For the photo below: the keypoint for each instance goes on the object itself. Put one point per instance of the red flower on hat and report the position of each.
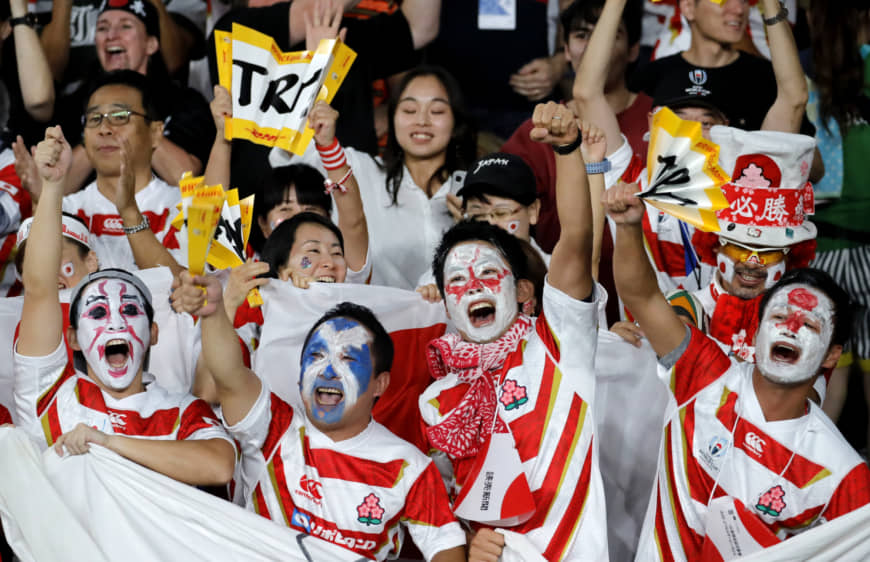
(756, 170)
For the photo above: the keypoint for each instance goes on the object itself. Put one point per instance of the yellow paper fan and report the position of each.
(683, 174)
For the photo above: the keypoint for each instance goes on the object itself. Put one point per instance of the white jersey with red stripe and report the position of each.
(51, 398)
(546, 386)
(785, 476)
(16, 206)
(156, 202)
(354, 493)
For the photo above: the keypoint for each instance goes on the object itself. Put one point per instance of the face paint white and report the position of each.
(336, 368)
(512, 226)
(480, 291)
(113, 331)
(774, 274)
(726, 267)
(794, 334)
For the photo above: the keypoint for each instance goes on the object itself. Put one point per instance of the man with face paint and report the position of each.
(741, 438)
(105, 397)
(505, 373)
(763, 233)
(325, 467)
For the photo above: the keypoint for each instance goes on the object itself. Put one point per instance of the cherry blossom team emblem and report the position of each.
(771, 503)
(513, 395)
(370, 510)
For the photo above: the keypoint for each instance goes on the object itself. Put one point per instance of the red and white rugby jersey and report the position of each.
(789, 474)
(156, 202)
(17, 206)
(353, 493)
(546, 387)
(51, 398)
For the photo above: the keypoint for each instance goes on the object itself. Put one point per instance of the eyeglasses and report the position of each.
(497, 214)
(760, 256)
(115, 118)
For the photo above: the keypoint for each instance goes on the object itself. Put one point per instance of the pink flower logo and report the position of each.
(370, 510)
(771, 501)
(513, 395)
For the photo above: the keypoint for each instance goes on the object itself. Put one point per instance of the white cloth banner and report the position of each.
(173, 357)
(630, 404)
(102, 507)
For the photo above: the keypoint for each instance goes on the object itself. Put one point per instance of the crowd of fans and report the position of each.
(487, 155)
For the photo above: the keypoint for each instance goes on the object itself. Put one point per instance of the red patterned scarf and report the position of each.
(735, 322)
(467, 427)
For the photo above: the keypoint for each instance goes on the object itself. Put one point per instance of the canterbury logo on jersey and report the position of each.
(754, 443)
(118, 420)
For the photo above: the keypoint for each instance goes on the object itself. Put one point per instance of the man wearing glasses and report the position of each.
(121, 131)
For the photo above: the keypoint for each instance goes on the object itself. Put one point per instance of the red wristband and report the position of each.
(331, 156)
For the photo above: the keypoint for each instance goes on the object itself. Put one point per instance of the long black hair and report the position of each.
(839, 69)
(462, 148)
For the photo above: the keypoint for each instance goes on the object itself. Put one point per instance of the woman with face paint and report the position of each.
(406, 196)
(326, 460)
(497, 375)
(111, 330)
(752, 427)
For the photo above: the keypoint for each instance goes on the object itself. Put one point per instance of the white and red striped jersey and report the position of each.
(353, 493)
(51, 398)
(550, 375)
(16, 206)
(156, 202)
(787, 475)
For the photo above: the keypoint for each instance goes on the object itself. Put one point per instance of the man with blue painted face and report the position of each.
(325, 467)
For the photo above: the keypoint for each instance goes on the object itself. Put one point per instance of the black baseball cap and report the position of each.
(502, 175)
(676, 92)
(142, 9)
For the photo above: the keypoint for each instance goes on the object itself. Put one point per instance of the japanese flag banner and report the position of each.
(683, 174)
(273, 91)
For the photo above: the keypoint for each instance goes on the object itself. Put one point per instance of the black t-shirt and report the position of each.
(384, 46)
(743, 90)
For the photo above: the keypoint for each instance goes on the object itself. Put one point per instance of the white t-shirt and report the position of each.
(353, 493)
(51, 398)
(156, 202)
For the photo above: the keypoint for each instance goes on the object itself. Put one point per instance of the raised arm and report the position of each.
(591, 76)
(37, 88)
(55, 38)
(176, 41)
(787, 111)
(570, 264)
(300, 8)
(41, 328)
(147, 249)
(424, 18)
(635, 280)
(217, 171)
(237, 386)
(351, 218)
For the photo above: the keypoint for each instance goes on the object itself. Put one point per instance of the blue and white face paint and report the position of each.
(336, 368)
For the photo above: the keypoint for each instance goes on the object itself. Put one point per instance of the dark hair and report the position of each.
(461, 151)
(582, 12)
(82, 250)
(507, 244)
(837, 62)
(276, 250)
(131, 79)
(820, 280)
(307, 182)
(382, 346)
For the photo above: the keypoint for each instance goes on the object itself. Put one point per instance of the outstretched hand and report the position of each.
(53, 156)
(554, 123)
(622, 204)
(25, 168)
(243, 279)
(322, 22)
(124, 196)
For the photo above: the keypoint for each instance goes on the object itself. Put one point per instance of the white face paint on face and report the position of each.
(794, 334)
(113, 331)
(480, 291)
